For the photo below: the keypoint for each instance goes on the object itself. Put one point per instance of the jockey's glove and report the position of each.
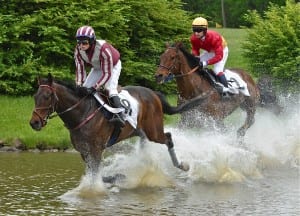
(202, 64)
(91, 90)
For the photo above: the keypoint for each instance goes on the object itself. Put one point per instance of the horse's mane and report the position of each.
(191, 59)
(72, 88)
(68, 84)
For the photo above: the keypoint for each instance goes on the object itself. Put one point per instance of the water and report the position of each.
(260, 177)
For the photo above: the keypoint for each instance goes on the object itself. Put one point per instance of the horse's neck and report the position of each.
(192, 84)
(71, 109)
(65, 98)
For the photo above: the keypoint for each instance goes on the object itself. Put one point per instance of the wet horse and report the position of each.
(89, 126)
(192, 81)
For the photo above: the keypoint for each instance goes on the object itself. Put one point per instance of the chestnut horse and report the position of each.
(88, 122)
(192, 81)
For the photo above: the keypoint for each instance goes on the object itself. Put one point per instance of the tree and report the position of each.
(273, 46)
(39, 37)
(227, 12)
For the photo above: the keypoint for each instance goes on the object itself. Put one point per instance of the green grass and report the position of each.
(17, 111)
(234, 38)
(14, 124)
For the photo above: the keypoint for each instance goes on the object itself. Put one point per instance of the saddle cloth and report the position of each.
(128, 115)
(236, 83)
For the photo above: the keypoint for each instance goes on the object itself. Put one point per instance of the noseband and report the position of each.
(50, 109)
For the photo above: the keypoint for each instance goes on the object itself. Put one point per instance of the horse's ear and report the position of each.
(179, 44)
(38, 79)
(50, 78)
(167, 44)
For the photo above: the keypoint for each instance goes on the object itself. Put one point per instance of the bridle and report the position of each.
(171, 74)
(52, 108)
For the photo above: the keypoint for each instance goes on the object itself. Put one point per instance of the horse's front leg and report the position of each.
(92, 162)
(169, 142)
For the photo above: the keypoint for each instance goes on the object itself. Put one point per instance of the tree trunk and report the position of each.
(223, 14)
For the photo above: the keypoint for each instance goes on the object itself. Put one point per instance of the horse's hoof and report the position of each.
(184, 166)
(241, 133)
(113, 179)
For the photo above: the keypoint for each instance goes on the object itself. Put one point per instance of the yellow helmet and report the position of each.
(200, 22)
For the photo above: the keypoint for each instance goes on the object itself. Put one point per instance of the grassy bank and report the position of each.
(14, 124)
(234, 38)
(16, 112)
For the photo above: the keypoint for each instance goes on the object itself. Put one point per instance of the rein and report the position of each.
(171, 75)
(52, 108)
(188, 73)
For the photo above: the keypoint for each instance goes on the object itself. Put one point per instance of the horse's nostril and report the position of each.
(158, 76)
(35, 125)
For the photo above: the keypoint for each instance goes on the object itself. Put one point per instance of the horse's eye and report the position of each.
(47, 96)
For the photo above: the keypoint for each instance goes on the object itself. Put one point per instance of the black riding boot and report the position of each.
(223, 80)
(117, 118)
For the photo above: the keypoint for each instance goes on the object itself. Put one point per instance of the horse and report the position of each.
(88, 122)
(192, 81)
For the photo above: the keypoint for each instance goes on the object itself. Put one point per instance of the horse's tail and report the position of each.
(268, 97)
(171, 110)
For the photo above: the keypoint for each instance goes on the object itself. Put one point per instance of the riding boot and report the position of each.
(223, 80)
(117, 118)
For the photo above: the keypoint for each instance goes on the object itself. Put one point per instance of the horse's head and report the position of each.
(45, 103)
(169, 64)
(172, 61)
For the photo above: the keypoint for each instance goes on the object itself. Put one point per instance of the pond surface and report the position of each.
(260, 177)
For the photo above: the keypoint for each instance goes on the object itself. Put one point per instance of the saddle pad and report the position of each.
(130, 116)
(236, 82)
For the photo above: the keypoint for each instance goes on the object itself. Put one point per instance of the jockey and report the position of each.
(214, 46)
(105, 64)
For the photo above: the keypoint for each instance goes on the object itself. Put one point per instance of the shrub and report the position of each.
(272, 45)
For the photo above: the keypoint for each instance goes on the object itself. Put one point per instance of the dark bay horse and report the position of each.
(88, 125)
(191, 81)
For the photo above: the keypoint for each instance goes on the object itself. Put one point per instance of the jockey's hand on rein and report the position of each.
(202, 64)
(91, 90)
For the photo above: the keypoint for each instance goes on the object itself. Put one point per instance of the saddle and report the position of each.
(129, 111)
(235, 82)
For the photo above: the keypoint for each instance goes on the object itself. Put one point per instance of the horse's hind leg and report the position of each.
(248, 123)
(143, 137)
(172, 154)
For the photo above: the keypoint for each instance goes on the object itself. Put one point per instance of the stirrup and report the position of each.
(226, 95)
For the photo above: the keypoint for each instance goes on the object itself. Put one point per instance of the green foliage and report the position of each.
(273, 46)
(232, 15)
(39, 37)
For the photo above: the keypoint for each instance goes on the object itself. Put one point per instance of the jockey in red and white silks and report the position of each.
(214, 46)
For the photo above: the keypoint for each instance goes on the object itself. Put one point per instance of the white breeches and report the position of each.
(219, 66)
(111, 85)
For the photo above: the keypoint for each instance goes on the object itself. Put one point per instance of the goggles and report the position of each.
(198, 29)
(83, 42)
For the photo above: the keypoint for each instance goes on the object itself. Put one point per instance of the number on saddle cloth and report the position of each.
(126, 104)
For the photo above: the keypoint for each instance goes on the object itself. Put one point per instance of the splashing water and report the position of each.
(90, 186)
(213, 157)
